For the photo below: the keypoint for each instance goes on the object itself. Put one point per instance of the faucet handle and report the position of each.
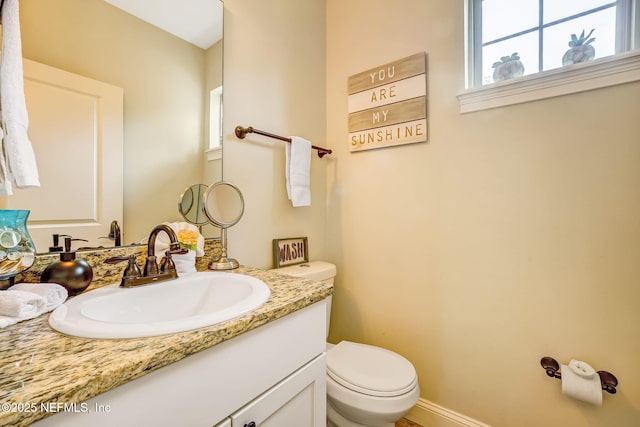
(167, 264)
(132, 271)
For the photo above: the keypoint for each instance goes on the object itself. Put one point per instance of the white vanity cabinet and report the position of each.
(274, 375)
(297, 401)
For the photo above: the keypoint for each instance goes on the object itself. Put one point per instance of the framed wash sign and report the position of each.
(290, 251)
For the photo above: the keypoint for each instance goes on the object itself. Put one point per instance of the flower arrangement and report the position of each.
(188, 239)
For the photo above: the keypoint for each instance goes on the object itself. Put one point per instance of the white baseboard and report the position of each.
(428, 414)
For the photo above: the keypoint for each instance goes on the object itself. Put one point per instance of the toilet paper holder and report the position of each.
(608, 380)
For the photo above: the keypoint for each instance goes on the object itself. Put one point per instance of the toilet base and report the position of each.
(335, 419)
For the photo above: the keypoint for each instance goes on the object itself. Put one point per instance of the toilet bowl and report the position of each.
(366, 385)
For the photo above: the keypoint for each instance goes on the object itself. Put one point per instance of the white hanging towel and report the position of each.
(297, 171)
(18, 160)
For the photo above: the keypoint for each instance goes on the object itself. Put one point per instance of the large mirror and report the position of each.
(169, 85)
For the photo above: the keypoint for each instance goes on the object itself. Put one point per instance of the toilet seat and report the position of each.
(370, 370)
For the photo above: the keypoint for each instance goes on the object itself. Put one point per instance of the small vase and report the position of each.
(17, 251)
(578, 54)
(508, 70)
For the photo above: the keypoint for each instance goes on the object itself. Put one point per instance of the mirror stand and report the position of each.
(224, 263)
(223, 205)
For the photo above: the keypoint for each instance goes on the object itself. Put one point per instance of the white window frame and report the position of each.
(214, 151)
(616, 69)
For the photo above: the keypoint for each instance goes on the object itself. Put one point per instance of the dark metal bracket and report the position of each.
(552, 368)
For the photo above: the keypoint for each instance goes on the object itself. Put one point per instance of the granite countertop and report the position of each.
(42, 366)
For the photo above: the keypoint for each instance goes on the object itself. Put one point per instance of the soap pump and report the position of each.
(56, 243)
(74, 274)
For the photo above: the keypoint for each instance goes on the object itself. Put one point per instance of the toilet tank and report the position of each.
(315, 270)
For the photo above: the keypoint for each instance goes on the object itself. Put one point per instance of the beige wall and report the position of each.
(213, 80)
(163, 81)
(513, 234)
(274, 80)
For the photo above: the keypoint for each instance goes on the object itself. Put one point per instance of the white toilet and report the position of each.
(366, 385)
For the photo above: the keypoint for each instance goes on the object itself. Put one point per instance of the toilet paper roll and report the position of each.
(582, 368)
(580, 381)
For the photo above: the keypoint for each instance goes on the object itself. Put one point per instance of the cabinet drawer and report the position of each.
(298, 400)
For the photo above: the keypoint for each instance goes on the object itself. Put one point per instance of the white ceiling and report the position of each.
(196, 21)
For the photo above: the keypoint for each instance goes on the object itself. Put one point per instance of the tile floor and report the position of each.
(406, 423)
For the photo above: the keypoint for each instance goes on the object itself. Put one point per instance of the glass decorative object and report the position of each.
(507, 68)
(17, 251)
(581, 49)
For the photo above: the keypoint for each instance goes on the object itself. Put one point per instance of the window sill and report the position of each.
(214, 154)
(609, 71)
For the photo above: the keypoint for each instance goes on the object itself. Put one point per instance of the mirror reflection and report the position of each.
(167, 85)
(191, 205)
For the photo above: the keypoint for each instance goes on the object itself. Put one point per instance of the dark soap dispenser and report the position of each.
(74, 274)
(56, 244)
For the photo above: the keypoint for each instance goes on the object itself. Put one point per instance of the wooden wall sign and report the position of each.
(388, 104)
(290, 251)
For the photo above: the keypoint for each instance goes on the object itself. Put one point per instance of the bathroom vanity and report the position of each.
(266, 367)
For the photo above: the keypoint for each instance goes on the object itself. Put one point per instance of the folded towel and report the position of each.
(8, 320)
(185, 263)
(20, 167)
(21, 304)
(53, 293)
(297, 171)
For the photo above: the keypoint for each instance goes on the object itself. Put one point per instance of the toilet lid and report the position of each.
(370, 370)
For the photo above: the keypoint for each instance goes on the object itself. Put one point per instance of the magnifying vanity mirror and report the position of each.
(190, 205)
(223, 205)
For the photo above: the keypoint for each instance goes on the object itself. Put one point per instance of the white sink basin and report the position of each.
(189, 302)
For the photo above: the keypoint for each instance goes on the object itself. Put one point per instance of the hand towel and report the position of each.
(297, 171)
(185, 263)
(6, 189)
(21, 168)
(21, 304)
(54, 294)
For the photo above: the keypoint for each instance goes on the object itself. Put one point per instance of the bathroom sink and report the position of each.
(189, 302)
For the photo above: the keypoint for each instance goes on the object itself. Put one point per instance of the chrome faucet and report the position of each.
(152, 271)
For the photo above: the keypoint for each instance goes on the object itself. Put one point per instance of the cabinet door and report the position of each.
(224, 423)
(297, 401)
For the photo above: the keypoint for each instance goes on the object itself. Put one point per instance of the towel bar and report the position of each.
(241, 132)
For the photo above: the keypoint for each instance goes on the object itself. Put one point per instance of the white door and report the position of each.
(76, 128)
